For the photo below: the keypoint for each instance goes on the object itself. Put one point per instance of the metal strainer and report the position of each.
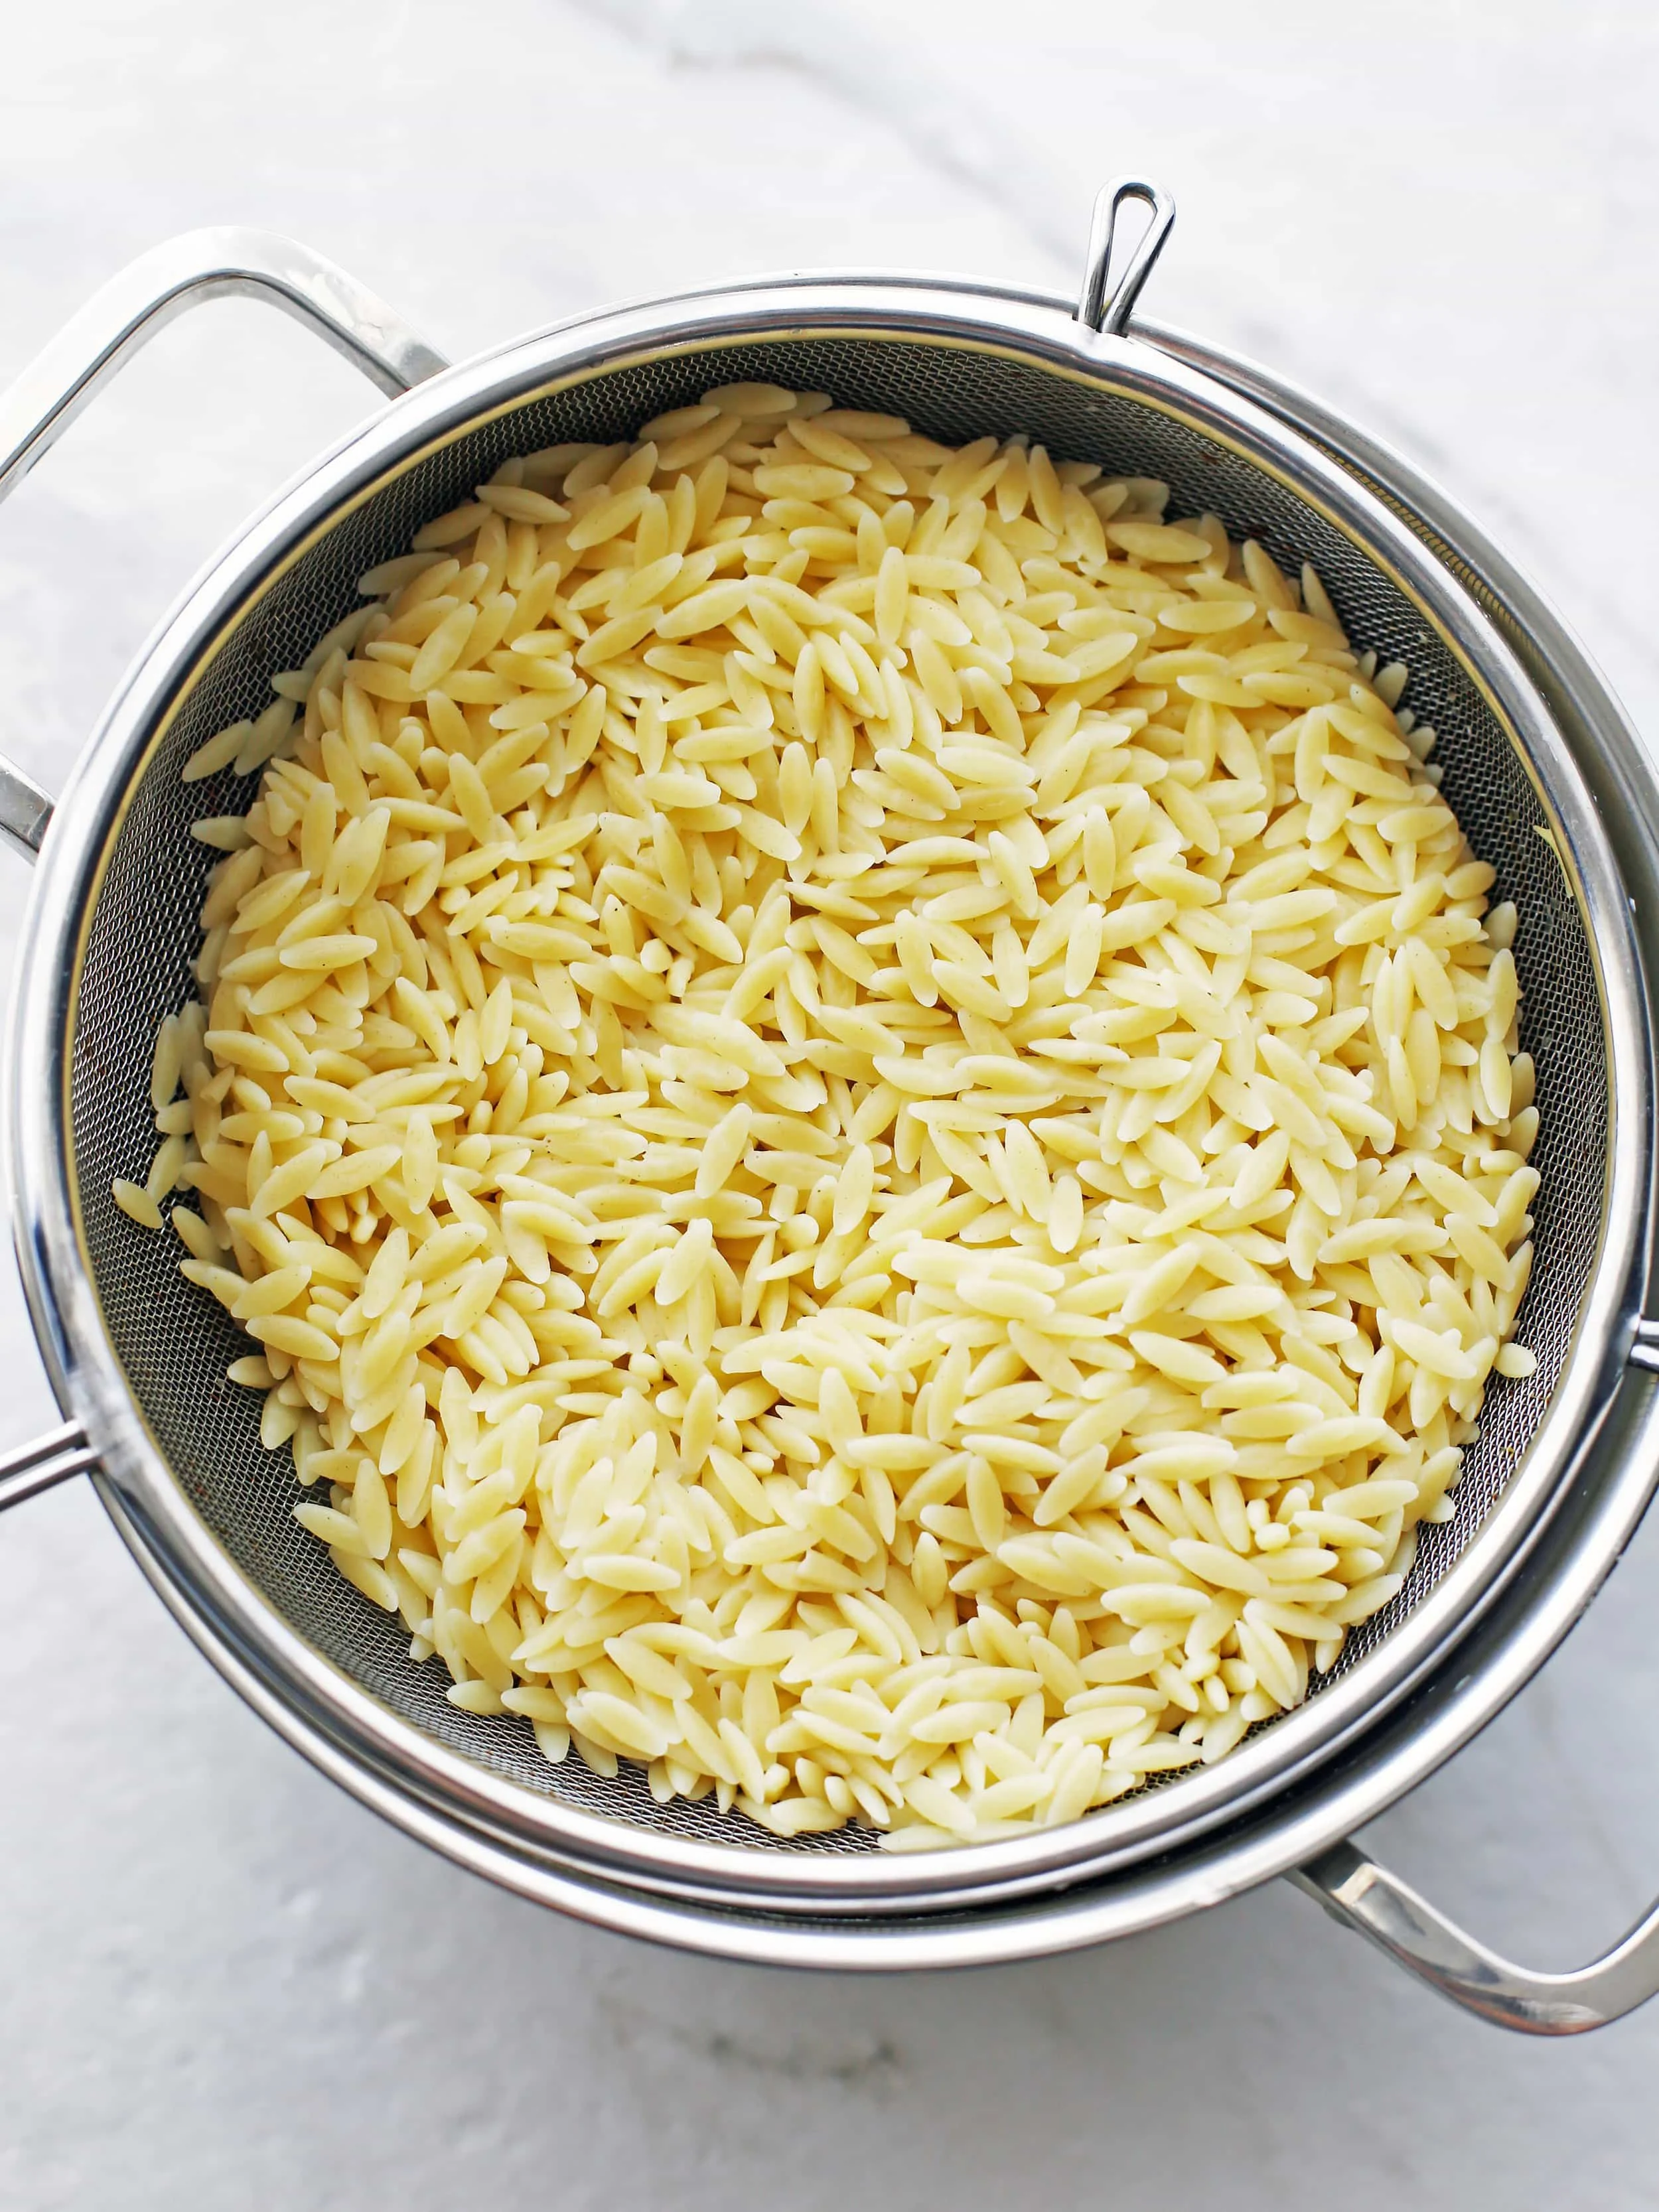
(1537, 765)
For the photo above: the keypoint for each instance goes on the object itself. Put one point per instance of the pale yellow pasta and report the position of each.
(866, 1110)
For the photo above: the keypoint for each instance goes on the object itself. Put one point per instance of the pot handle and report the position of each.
(126, 312)
(1365, 1897)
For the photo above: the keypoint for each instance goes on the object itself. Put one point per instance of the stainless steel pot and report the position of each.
(1531, 742)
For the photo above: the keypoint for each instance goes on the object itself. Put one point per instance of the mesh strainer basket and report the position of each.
(1537, 765)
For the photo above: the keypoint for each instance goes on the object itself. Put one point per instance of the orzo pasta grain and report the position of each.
(866, 1110)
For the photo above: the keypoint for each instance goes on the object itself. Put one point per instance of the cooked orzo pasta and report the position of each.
(865, 1107)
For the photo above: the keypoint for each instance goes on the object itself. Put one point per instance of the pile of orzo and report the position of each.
(864, 1104)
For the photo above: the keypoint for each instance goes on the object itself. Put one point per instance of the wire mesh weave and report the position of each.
(174, 1341)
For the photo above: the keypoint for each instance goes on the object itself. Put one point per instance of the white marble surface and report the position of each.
(221, 1985)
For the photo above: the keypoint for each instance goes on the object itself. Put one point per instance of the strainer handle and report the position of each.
(147, 295)
(1108, 311)
(151, 292)
(1367, 1898)
(53, 1458)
